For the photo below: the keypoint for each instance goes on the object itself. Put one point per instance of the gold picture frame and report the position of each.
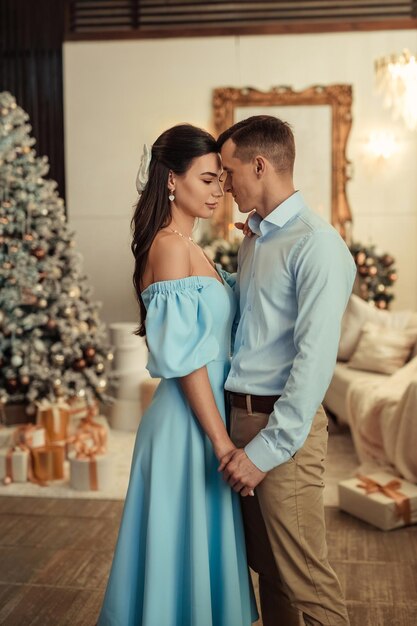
(339, 97)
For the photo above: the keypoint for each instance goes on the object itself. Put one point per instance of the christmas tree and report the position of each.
(376, 274)
(52, 343)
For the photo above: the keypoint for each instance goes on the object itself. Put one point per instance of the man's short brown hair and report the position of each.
(262, 135)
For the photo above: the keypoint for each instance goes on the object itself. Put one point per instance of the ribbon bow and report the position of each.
(25, 433)
(391, 490)
(85, 451)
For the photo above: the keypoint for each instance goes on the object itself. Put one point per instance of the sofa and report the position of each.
(374, 386)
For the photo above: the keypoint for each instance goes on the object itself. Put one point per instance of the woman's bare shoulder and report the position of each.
(169, 256)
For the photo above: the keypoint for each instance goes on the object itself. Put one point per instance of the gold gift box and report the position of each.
(55, 419)
(48, 462)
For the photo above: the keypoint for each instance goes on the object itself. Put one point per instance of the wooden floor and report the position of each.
(55, 556)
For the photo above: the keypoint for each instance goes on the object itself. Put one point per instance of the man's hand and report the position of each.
(239, 471)
(245, 226)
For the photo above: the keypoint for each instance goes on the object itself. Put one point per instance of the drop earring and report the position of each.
(171, 197)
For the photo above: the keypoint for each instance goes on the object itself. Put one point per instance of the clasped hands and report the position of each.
(239, 471)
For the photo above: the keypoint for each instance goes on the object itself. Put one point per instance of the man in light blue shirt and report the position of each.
(294, 280)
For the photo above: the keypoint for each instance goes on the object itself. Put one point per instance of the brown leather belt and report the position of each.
(253, 404)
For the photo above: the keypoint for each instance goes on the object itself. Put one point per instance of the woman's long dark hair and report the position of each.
(174, 150)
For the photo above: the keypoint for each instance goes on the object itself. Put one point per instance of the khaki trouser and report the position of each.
(286, 534)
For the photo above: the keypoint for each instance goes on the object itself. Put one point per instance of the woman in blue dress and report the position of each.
(180, 557)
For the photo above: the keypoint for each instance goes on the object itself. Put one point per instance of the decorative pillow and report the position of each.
(382, 351)
(358, 313)
(412, 325)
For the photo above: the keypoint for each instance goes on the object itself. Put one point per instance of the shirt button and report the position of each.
(249, 308)
(253, 274)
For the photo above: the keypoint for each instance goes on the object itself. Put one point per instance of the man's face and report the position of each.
(241, 180)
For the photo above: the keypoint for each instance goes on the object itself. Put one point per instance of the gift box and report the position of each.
(14, 465)
(80, 408)
(48, 462)
(30, 435)
(90, 471)
(95, 429)
(381, 499)
(54, 417)
(6, 436)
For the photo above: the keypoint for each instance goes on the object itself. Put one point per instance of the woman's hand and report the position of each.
(244, 227)
(224, 449)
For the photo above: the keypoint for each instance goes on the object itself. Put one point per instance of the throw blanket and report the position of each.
(383, 420)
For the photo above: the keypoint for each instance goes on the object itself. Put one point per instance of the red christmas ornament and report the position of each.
(79, 364)
(39, 253)
(90, 352)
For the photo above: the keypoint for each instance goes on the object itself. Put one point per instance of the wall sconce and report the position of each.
(382, 145)
(396, 79)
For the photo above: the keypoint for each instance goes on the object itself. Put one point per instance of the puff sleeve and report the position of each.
(179, 328)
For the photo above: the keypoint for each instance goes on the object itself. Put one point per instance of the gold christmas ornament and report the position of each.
(102, 385)
(58, 359)
(83, 327)
(74, 292)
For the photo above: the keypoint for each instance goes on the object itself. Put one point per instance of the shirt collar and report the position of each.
(279, 216)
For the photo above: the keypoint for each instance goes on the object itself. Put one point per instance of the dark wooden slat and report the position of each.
(284, 28)
(112, 19)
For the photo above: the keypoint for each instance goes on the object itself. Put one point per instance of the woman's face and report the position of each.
(198, 191)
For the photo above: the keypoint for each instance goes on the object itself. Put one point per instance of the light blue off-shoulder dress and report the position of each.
(180, 557)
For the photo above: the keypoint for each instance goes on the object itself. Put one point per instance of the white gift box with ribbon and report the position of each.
(90, 474)
(18, 462)
(381, 499)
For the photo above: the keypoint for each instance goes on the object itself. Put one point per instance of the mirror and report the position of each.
(321, 120)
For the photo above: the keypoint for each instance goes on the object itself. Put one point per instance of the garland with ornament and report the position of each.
(52, 343)
(376, 271)
(376, 274)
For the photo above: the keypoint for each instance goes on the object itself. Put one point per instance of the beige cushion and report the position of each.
(343, 377)
(383, 352)
(358, 313)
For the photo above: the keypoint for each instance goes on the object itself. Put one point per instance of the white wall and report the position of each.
(119, 95)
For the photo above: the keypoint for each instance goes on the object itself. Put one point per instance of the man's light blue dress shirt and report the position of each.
(294, 279)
